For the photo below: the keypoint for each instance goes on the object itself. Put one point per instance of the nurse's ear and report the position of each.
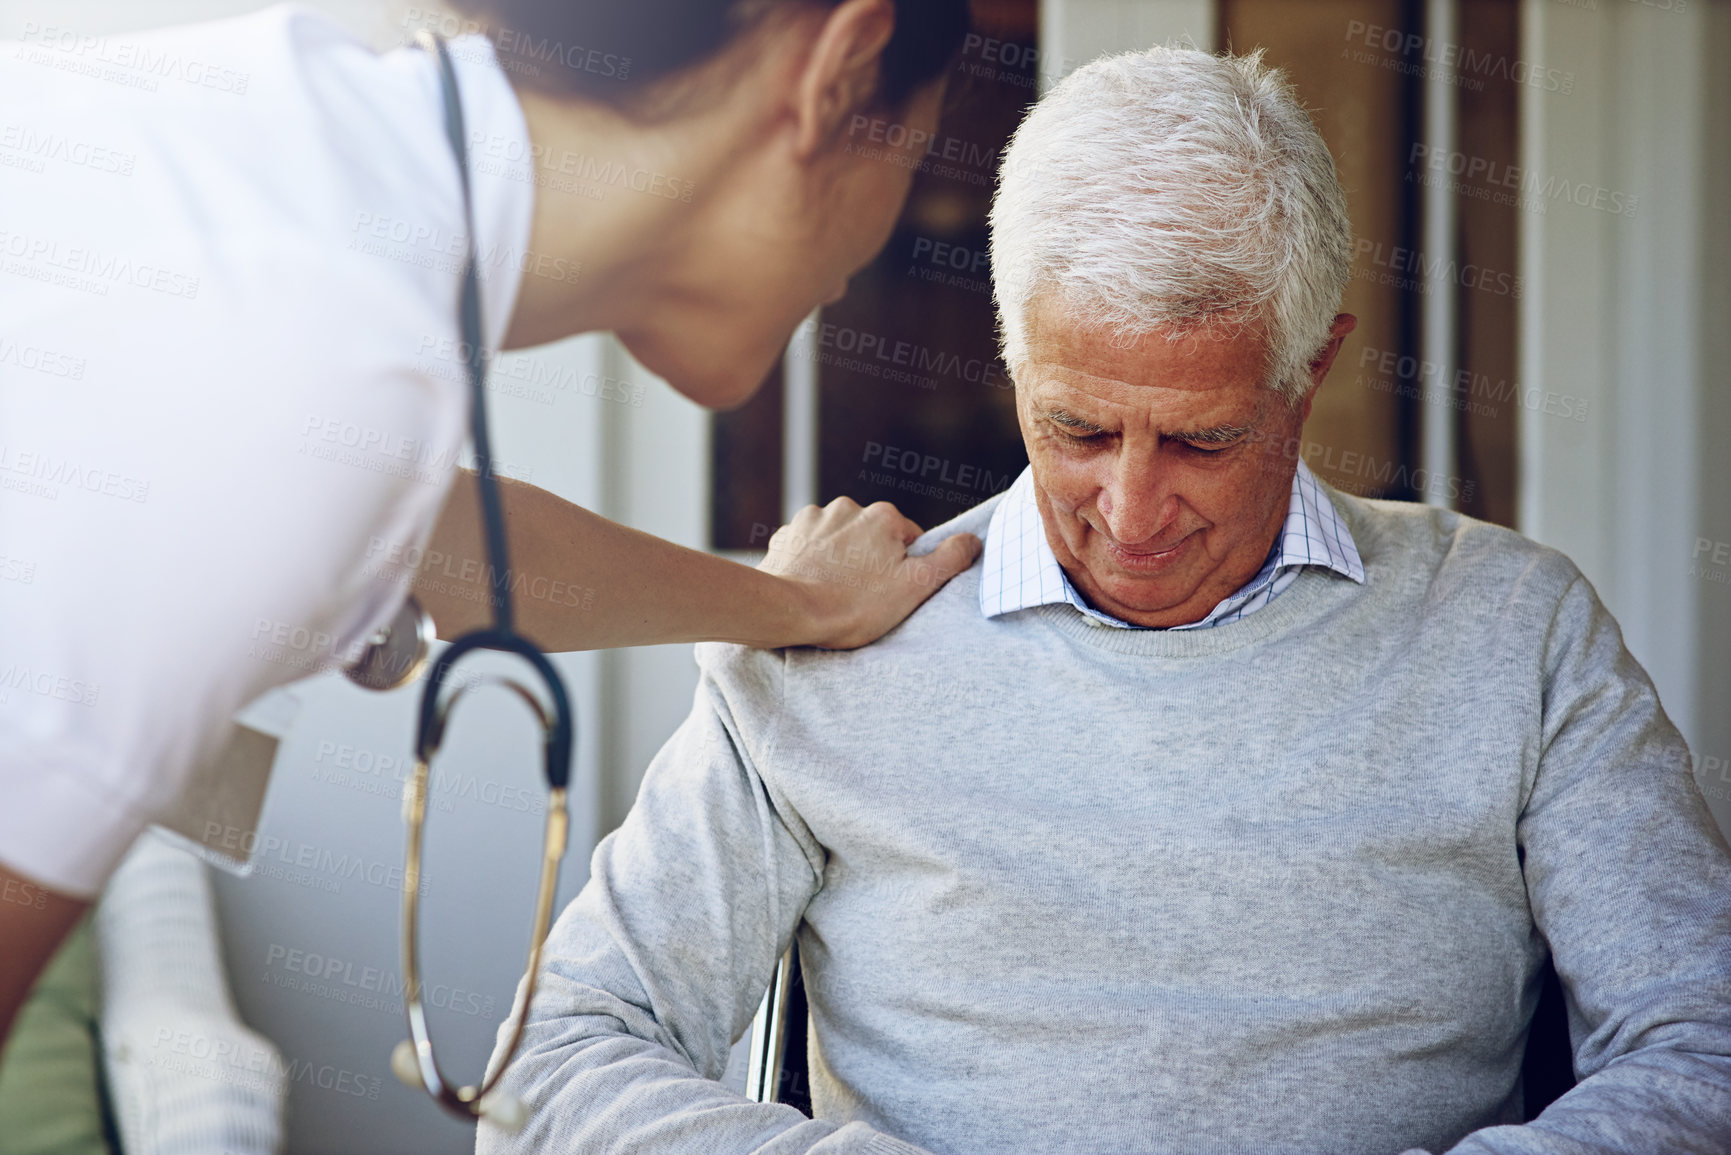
(841, 72)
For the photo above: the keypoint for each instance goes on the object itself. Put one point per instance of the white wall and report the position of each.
(1621, 311)
(1711, 729)
(1073, 32)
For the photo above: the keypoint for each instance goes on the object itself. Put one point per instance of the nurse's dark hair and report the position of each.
(615, 50)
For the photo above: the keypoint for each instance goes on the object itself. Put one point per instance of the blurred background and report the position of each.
(1539, 191)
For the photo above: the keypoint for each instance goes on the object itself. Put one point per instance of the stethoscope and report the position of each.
(398, 654)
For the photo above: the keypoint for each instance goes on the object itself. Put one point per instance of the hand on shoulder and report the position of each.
(854, 566)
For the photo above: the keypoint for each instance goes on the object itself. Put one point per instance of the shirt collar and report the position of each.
(1019, 569)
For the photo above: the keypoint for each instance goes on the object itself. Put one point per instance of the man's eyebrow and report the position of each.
(1214, 435)
(1069, 420)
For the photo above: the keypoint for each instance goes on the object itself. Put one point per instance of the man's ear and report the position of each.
(1344, 323)
(842, 70)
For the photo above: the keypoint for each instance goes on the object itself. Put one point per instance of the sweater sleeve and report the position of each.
(1629, 879)
(660, 962)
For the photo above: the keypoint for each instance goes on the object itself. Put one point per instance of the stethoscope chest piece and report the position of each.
(397, 653)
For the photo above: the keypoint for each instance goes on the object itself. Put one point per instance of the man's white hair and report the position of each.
(1173, 190)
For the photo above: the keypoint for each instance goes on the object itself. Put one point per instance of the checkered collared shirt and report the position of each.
(1020, 569)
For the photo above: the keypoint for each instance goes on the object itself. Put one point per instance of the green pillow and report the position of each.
(51, 1070)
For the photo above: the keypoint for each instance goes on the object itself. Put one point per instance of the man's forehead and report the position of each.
(1053, 383)
(1064, 355)
(1170, 401)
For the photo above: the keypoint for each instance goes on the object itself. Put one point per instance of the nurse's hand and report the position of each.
(853, 567)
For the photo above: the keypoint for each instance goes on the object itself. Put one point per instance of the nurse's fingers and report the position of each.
(841, 513)
(854, 566)
(953, 555)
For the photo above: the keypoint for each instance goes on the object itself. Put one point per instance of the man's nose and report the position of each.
(1137, 500)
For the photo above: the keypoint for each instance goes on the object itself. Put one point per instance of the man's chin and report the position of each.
(1133, 597)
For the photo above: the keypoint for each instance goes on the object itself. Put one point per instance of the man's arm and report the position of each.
(838, 576)
(658, 965)
(1630, 882)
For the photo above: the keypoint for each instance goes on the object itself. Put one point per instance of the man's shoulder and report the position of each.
(1429, 546)
(974, 520)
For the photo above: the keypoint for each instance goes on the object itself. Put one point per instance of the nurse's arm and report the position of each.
(838, 577)
(33, 922)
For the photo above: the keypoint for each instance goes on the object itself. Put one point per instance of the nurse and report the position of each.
(232, 402)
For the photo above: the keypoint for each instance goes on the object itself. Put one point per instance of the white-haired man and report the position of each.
(1214, 811)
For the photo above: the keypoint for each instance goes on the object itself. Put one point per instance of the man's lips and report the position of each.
(1147, 559)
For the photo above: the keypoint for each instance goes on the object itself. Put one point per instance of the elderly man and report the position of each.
(1214, 810)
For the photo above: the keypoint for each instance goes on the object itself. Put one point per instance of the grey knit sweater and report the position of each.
(1278, 886)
